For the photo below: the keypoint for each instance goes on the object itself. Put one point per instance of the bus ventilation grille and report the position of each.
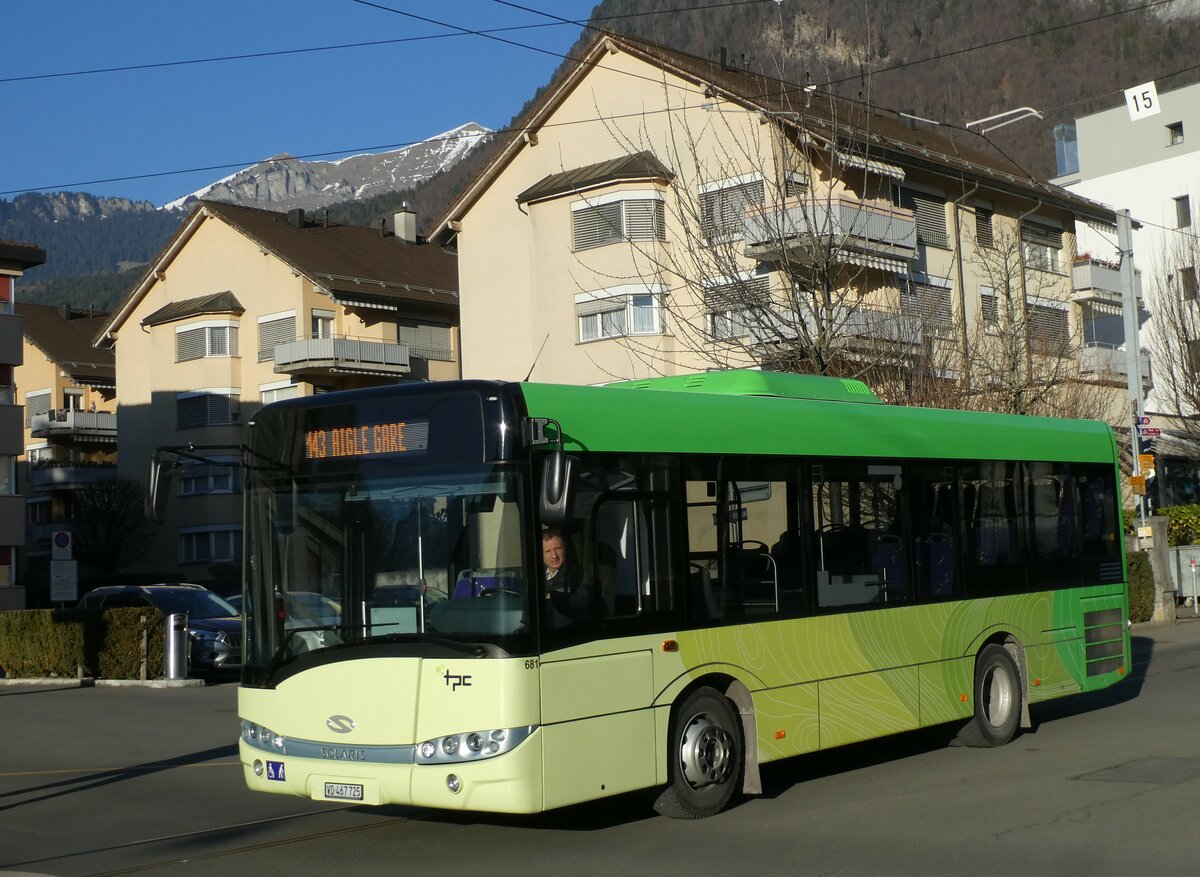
(1104, 635)
(1111, 572)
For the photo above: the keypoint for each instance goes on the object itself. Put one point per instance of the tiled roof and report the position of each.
(65, 335)
(217, 303)
(853, 127)
(347, 258)
(641, 166)
(29, 255)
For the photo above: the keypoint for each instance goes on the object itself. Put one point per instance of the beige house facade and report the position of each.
(244, 307)
(660, 214)
(15, 259)
(68, 388)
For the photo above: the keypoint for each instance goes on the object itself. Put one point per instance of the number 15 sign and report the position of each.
(1142, 101)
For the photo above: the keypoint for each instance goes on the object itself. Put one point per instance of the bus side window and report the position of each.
(931, 492)
(995, 552)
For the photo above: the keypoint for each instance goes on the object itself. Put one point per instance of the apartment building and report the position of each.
(15, 259)
(243, 307)
(70, 445)
(1148, 162)
(662, 213)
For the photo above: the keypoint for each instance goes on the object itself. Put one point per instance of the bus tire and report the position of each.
(997, 699)
(705, 757)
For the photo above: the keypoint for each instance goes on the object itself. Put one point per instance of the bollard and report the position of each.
(175, 651)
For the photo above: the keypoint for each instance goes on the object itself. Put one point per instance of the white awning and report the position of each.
(877, 260)
(872, 166)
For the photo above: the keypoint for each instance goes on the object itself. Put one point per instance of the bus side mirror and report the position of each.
(156, 494)
(554, 503)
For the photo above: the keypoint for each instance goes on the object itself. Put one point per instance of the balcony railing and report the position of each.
(861, 232)
(341, 354)
(100, 425)
(45, 476)
(1105, 277)
(1098, 358)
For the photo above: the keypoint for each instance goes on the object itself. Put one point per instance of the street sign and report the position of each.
(64, 581)
(1137, 485)
(1149, 431)
(1145, 461)
(60, 545)
(1143, 421)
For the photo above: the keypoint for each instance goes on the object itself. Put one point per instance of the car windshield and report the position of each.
(197, 603)
(385, 554)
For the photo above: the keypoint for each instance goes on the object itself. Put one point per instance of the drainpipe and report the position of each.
(1024, 294)
(965, 375)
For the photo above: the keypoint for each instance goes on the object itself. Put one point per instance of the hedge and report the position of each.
(1184, 524)
(1141, 587)
(71, 643)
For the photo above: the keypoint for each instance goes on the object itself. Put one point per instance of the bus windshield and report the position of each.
(427, 558)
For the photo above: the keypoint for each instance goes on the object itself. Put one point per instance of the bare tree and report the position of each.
(1174, 332)
(113, 531)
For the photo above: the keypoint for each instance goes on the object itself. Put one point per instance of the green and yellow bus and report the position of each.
(749, 566)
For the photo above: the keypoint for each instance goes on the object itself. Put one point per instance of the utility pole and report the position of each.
(1133, 350)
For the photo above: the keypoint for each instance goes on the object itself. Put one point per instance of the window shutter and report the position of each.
(983, 228)
(930, 214)
(600, 306)
(723, 211)
(190, 345)
(426, 340)
(645, 220)
(191, 411)
(1041, 234)
(1049, 325)
(274, 332)
(597, 226)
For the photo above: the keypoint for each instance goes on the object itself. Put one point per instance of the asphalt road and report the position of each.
(102, 781)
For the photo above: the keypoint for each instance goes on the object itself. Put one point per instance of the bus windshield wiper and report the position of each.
(475, 650)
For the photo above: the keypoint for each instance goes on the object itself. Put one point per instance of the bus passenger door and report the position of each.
(597, 686)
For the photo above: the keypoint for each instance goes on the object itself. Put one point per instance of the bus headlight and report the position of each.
(471, 745)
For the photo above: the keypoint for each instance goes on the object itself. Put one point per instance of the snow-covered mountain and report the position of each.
(284, 183)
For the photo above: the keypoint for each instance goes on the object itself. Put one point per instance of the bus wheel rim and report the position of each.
(998, 696)
(705, 752)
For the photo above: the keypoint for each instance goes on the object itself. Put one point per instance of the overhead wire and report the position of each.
(492, 34)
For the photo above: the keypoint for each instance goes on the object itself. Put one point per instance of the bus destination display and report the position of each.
(368, 440)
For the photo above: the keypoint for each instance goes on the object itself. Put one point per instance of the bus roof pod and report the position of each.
(754, 382)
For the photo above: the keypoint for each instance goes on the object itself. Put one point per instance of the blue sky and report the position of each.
(66, 132)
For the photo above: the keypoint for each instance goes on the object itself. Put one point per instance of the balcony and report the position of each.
(48, 476)
(865, 233)
(342, 355)
(1094, 279)
(97, 426)
(1097, 358)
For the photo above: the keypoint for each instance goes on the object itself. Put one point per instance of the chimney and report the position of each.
(405, 223)
(296, 217)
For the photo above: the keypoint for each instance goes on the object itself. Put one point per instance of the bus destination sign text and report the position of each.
(369, 440)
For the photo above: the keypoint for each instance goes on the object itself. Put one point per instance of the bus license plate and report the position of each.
(344, 791)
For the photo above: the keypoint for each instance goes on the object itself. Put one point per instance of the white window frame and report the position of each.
(1183, 211)
(625, 300)
(271, 390)
(319, 321)
(211, 349)
(630, 229)
(264, 354)
(190, 538)
(1038, 250)
(206, 479)
(719, 225)
(729, 324)
(234, 395)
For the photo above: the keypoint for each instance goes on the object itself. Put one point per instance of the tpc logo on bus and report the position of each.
(455, 681)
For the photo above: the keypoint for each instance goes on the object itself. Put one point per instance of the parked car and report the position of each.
(214, 627)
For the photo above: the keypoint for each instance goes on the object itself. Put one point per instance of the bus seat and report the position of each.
(703, 603)
(940, 565)
(471, 582)
(887, 556)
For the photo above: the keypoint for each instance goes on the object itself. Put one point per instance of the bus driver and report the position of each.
(568, 600)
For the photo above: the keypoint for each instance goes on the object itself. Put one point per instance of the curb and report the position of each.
(100, 683)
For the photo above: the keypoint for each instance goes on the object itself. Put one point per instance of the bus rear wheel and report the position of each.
(706, 757)
(997, 699)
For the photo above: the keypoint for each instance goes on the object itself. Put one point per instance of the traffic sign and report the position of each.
(60, 545)
(1142, 421)
(1137, 485)
(1145, 461)
(1149, 431)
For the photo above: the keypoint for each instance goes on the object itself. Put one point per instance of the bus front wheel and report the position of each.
(997, 699)
(706, 757)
